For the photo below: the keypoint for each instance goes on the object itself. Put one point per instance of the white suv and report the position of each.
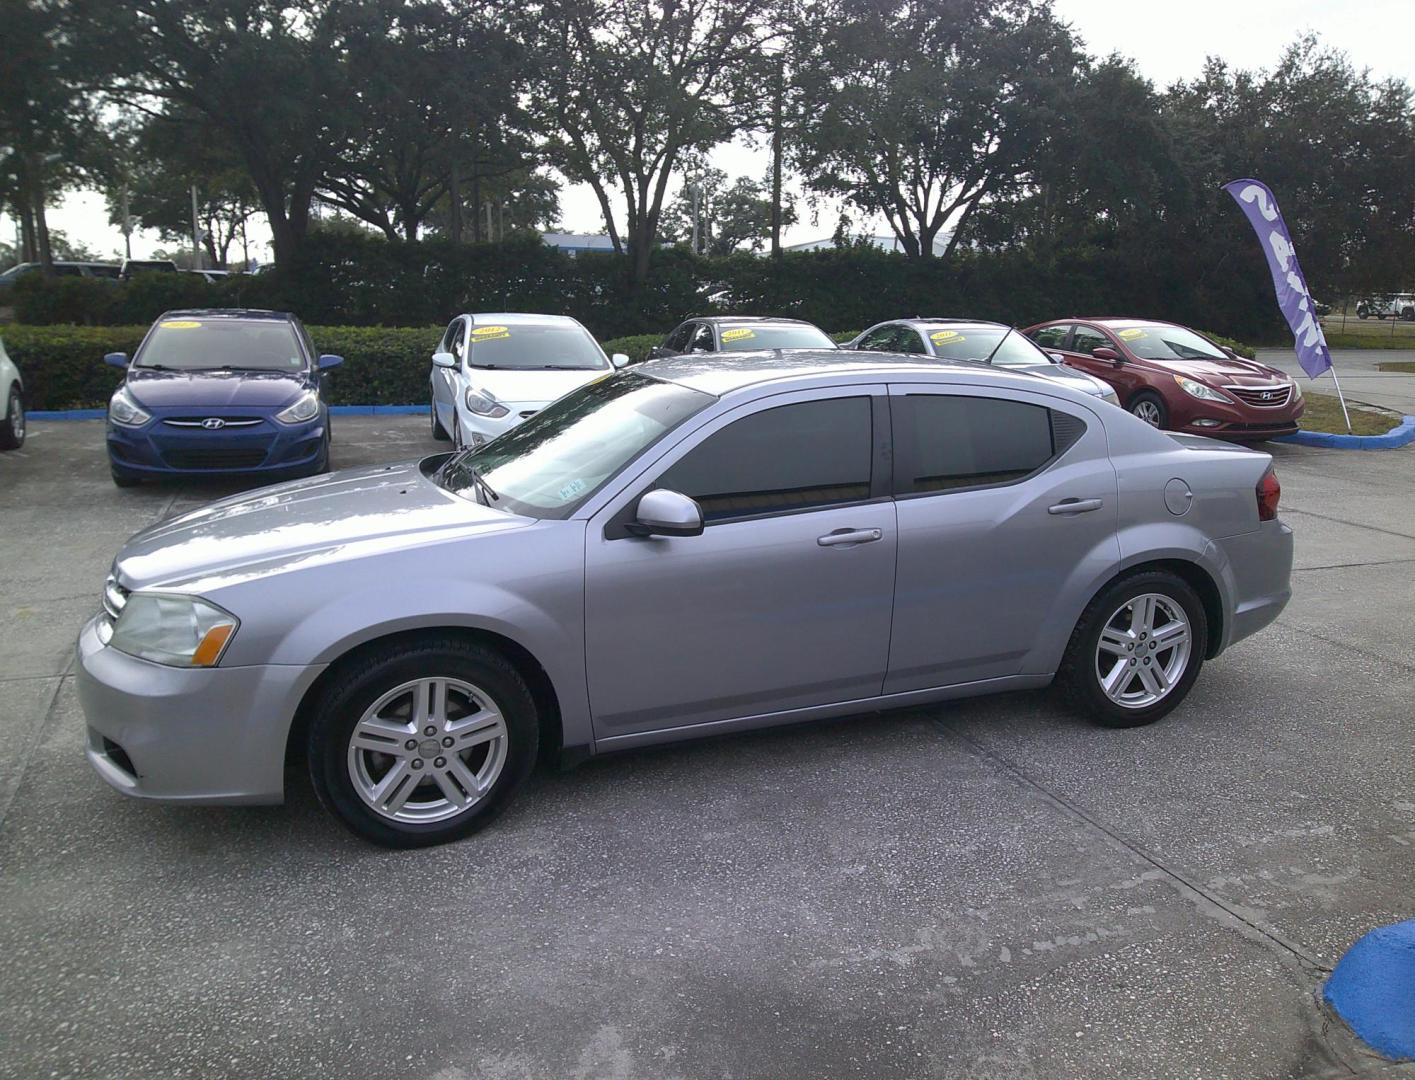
(1395, 306)
(12, 399)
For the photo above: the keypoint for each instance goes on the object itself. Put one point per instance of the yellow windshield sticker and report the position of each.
(180, 324)
(490, 333)
(1131, 335)
(946, 337)
(739, 334)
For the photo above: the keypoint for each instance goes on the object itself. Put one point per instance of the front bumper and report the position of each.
(196, 735)
(267, 447)
(477, 430)
(1234, 421)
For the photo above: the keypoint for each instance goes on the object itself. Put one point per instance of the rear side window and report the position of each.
(1051, 337)
(793, 457)
(945, 442)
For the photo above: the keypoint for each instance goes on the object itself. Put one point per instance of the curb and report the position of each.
(1372, 988)
(336, 410)
(1401, 435)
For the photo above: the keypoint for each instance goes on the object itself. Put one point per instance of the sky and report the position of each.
(1166, 41)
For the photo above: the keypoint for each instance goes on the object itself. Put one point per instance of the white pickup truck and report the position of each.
(1395, 306)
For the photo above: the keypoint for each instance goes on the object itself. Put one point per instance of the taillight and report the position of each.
(1269, 491)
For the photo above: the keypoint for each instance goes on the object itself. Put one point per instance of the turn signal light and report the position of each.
(1269, 491)
(215, 640)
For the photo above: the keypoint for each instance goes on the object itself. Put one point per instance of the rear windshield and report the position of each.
(196, 344)
(549, 347)
(1168, 343)
(751, 338)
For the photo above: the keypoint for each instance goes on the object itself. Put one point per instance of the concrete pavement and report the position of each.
(1360, 377)
(985, 889)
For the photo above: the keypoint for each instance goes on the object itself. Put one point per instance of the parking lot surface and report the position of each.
(985, 888)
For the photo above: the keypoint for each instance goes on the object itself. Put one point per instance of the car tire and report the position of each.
(12, 424)
(438, 431)
(1131, 699)
(125, 479)
(1408, 314)
(373, 703)
(1149, 407)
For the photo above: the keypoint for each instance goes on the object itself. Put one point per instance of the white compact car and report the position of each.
(12, 400)
(492, 371)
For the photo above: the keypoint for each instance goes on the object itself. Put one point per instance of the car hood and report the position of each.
(1077, 380)
(355, 510)
(1238, 372)
(534, 386)
(216, 389)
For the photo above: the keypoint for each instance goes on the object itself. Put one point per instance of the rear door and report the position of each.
(1006, 502)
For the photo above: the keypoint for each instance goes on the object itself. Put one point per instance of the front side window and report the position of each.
(752, 337)
(959, 442)
(1169, 343)
(880, 339)
(793, 457)
(191, 343)
(528, 347)
(678, 340)
(907, 340)
(702, 338)
(1087, 340)
(554, 461)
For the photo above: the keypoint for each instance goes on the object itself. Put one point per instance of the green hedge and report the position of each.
(636, 346)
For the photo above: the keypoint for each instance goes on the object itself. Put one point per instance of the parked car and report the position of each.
(492, 371)
(12, 397)
(62, 268)
(212, 276)
(218, 391)
(981, 342)
(147, 266)
(694, 546)
(1395, 306)
(1175, 378)
(740, 333)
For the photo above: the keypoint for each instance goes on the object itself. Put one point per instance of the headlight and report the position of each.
(483, 404)
(304, 410)
(122, 409)
(1296, 390)
(180, 631)
(1199, 390)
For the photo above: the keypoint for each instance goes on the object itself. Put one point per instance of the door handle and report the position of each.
(849, 536)
(1074, 506)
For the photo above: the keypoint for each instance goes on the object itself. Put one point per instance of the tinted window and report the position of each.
(907, 340)
(955, 442)
(816, 453)
(878, 339)
(1051, 337)
(702, 338)
(195, 344)
(678, 340)
(1087, 339)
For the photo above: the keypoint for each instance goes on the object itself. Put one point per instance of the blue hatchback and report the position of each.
(214, 392)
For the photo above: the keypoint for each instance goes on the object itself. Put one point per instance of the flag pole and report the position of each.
(1341, 398)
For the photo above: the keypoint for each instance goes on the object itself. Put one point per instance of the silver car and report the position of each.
(694, 546)
(981, 342)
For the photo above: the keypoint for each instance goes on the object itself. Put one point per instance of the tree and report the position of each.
(920, 109)
(630, 86)
(731, 217)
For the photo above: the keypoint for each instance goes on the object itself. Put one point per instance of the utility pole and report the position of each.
(196, 240)
(697, 193)
(776, 154)
(127, 222)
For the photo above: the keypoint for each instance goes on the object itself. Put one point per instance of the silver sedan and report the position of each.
(694, 546)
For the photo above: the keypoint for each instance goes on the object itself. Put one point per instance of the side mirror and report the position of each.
(1060, 358)
(444, 359)
(1230, 353)
(117, 359)
(620, 360)
(1104, 353)
(666, 513)
(328, 360)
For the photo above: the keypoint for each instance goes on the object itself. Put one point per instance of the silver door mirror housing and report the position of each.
(444, 359)
(667, 513)
(620, 359)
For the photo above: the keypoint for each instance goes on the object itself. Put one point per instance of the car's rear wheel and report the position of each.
(1136, 650)
(438, 431)
(12, 426)
(1149, 407)
(424, 743)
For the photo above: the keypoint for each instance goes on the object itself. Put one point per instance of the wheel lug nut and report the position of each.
(411, 744)
(447, 740)
(417, 763)
(429, 730)
(441, 762)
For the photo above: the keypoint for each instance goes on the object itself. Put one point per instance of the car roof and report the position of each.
(759, 319)
(513, 318)
(975, 323)
(228, 313)
(723, 373)
(1118, 321)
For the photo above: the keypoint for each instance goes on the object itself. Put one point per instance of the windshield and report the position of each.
(751, 338)
(194, 344)
(997, 345)
(1168, 343)
(535, 347)
(560, 456)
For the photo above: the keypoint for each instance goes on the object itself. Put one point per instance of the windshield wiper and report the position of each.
(487, 492)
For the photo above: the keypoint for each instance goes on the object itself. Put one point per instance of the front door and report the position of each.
(783, 602)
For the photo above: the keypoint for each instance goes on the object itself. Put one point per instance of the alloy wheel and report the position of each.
(1143, 650)
(17, 418)
(1147, 411)
(427, 750)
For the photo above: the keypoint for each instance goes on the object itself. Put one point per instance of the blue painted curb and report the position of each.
(1373, 989)
(1400, 435)
(337, 410)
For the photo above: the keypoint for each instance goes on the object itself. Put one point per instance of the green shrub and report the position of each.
(636, 346)
(62, 366)
(840, 337)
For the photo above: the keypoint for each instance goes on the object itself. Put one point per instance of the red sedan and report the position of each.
(1175, 378)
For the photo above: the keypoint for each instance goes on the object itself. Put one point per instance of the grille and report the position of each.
(1266, 397)
(214, 459)
(200, 421)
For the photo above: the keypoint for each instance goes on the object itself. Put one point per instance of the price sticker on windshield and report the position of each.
(1132, 334)
(570, 490)
(490, 333)
(741, 333)
(946, 337)
(181, 324)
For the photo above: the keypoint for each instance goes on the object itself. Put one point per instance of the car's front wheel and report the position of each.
(424, 742)
(12, 425)
(1149, 408)
(1136, 650)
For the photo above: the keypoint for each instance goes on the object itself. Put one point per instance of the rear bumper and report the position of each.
(1257, 571)
(209, 735)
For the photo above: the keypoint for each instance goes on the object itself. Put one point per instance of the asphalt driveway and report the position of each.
(987, 888)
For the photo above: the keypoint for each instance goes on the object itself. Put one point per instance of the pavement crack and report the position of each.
(1343, 521)
(1351, 565)
(7, 799)
(1194, 892)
